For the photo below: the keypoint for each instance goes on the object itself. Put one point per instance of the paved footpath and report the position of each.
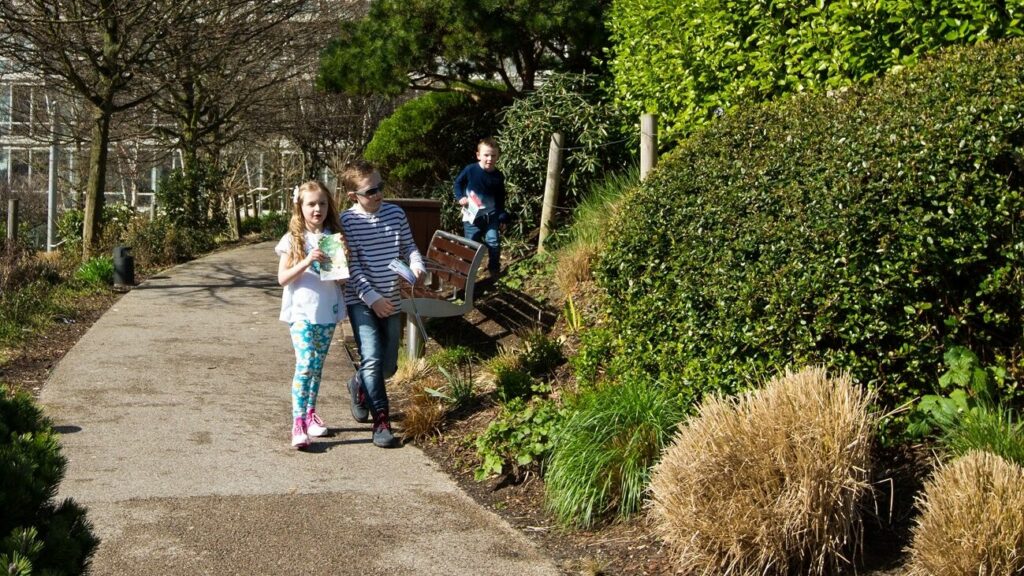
(174, 410)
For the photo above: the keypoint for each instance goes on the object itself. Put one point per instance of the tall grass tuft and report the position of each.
(97, 270)
(591, 221)
(601, 459)
(990, 427)
(770, 482)
(424, 415)
(972, 519)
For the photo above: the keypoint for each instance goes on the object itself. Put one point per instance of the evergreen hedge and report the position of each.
(685, 59)
(867, 230)
(37, 534)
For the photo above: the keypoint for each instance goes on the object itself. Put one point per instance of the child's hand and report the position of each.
(316, 255)
(463, 201)
(383, 308)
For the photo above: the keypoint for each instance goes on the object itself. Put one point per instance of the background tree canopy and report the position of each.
(448, 44)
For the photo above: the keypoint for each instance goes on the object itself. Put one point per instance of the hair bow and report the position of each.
(295, 195)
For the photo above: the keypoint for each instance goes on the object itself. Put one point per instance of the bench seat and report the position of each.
(452, 263)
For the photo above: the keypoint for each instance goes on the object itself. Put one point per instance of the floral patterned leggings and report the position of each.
(311, 343)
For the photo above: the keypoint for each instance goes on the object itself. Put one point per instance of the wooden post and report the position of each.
(12, 219)
(648, 144)
(236, 217)
(550, 188)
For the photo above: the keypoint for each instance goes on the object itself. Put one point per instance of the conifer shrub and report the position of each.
(427, 139)
(37, 534)
(865, 230)
(972, 519)
(769, 482)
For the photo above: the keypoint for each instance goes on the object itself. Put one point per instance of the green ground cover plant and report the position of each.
(963, 415)
(869, 231)
(519, 439)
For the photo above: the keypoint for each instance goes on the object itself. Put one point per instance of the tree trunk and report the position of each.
(93, 217)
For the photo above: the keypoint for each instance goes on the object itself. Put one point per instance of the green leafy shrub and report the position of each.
(160, 242)
(520, 437)
(972, 519)
(601, 458)
(597, 347)
(97, 270)
(541, 353)
(191, 199)
(37, 534)
(452, 357)
(269, 226)
(118, 218)
(70, 224)
(769, 483)
(594, 142)
(866, 231)
(429, 138)
(749, 50)
(511, 383)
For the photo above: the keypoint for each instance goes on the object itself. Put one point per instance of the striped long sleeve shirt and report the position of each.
(374, 240)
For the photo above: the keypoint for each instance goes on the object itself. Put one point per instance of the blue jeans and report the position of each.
(377, 340)
(486, 230)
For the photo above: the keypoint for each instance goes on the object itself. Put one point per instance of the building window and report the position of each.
(20, 168)
(5, 171)
(21, 110)
(5, 108)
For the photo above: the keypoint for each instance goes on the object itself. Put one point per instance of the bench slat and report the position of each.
(460, 251)
(448, 268)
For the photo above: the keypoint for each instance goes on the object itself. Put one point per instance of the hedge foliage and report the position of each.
(866, 231)
(429, 138)
(685, 59)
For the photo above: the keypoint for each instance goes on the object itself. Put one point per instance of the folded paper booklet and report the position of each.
(470, 210)
(403, 270)
(337, 267)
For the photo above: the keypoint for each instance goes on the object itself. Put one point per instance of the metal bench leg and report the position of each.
(412, 337)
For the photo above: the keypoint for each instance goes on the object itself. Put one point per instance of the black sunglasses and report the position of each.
(369, 191)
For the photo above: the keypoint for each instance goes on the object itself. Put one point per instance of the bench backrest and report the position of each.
(454, 261)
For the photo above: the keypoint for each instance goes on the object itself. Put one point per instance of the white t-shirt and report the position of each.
(307, 297)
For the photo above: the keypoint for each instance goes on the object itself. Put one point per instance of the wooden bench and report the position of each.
(452, 263)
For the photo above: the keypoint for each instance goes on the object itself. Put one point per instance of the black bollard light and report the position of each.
(124, 266)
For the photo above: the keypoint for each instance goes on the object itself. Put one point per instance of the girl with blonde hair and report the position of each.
(312, 307)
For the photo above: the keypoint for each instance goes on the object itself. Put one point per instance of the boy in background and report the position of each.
(483, 184)
(377, 232)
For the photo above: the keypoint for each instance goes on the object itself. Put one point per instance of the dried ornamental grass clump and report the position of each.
(972, 519)
(770, 482)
